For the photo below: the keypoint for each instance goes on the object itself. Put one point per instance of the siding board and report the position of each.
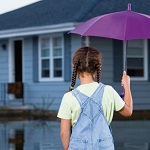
(67, 57)
(4, 66)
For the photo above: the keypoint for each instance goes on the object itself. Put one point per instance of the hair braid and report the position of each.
(98, 73)
(74, 75)
(99, 68)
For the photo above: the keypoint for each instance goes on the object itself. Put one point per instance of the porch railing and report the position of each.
(11, 92)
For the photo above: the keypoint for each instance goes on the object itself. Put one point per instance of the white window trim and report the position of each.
(39, 60)
(145, 77)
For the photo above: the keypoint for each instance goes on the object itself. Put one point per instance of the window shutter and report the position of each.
(118, 59)
(35, 58)
(148, 59)
(67, 57)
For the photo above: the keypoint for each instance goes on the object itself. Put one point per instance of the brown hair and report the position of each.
(86, 59)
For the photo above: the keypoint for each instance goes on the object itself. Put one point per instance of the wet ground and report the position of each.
(131, 135)
(44, 135)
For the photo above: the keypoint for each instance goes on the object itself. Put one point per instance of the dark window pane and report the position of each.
(45, 68)
(136, 63)
(135, 67)
(135, 72)
(58, 67)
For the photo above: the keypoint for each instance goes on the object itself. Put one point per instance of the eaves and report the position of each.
(65, 27)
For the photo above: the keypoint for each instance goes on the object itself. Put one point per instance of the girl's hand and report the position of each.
(125, 82)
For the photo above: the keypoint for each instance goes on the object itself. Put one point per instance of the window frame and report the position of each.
(51, 58)
(145, 48)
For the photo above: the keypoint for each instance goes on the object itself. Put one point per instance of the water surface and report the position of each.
(44, 135)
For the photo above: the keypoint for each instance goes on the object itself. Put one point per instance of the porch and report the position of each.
(11, 94)
(18, 96)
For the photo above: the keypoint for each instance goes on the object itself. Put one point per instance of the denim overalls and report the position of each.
(91, 131)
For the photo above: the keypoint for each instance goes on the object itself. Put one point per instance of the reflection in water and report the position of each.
(44, 135)
(16, 139)
(32, 135)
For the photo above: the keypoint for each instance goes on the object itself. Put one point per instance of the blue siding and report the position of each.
(28, 60)
(4, 70)
(67, 57)
(76, 42)
(105, 47)
(46, 93)
(35, 58)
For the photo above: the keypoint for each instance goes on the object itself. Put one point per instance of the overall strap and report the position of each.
(98, 94)
(82, 98)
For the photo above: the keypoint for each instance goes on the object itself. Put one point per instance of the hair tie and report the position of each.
(71, 87)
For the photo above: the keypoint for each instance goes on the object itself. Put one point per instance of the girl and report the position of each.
(88, 109)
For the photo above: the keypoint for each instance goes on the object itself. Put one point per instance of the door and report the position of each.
(18, 60)
(16, 73)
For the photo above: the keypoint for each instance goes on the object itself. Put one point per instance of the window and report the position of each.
(136, 57)
(51, 58)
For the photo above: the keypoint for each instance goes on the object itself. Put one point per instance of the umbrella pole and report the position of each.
(87, 41)
(125, 56)
(124, 64)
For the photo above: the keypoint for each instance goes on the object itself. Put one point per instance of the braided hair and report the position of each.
(86, 59)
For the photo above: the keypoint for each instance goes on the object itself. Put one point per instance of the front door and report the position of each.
(18, 60)
(16, 75)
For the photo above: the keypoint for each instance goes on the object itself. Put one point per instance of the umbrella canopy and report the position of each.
(124, 25)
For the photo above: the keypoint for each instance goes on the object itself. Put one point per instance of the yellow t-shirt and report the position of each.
(70, 107)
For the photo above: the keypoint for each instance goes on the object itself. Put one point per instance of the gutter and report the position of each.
(38, 30)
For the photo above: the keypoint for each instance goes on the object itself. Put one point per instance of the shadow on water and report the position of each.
(44, 135)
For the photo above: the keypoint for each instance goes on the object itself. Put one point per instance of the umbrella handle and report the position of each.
(122, 93)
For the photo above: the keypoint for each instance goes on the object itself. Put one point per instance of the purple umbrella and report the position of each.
(124, 25)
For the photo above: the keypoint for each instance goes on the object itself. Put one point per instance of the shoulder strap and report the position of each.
(98, 94)
(82, 98)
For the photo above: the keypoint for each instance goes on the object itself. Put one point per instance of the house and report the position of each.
(36, 52)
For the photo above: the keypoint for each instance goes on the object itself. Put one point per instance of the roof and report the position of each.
(54, 12)
(45, 12)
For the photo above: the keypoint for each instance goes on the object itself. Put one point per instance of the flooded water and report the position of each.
(30, 135)
(44, 135)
